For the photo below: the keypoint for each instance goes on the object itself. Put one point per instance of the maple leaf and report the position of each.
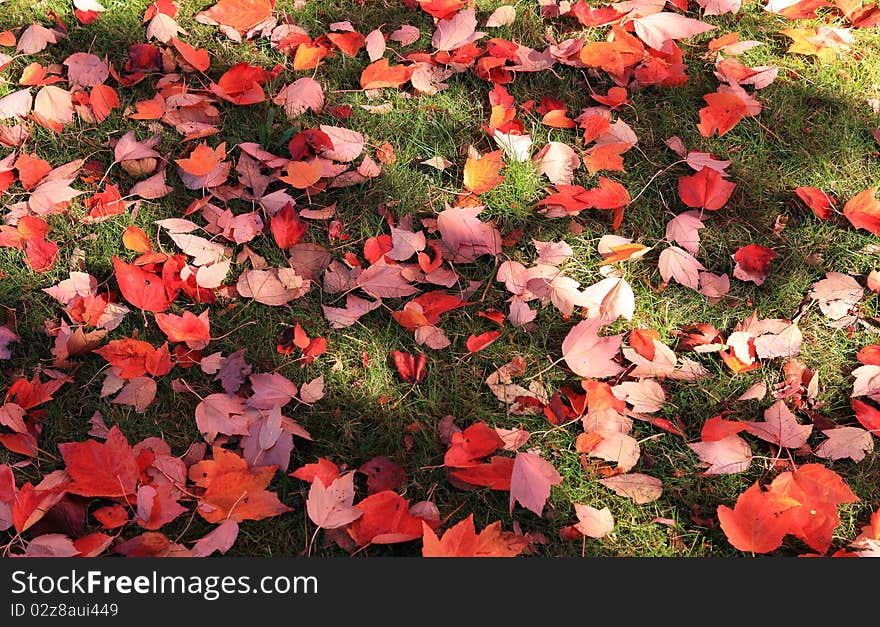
(658, 29)
(867, 415)
(531, 480)
(753, 263)
(863, 211)
(727, 455)
(330, 507)
(233, 490)
(706, 189)
(386, 519)
(142, 289)
(641, 488)
(724, 111)
(241, 84)
(676, 263)
(758, 521)
(380, 74)
(109, 469)
(461, 540)
(221, 539)
(592, 522)
(479, 342)
(411, 368)
(819, 491)
(845, 442)
(780, 427)
(287, 227)
(467, 447)
(588, 354)
(198, 58)
(817, 200)
(382, 474)
(481, 172)
(241, 15)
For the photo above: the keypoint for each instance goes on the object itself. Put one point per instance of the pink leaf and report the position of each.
(845, 442)
(557, 161)
(725, 456)
(592, 522)
(530, 482)
(780, 427)
(464, 236)
(456, 31)
(303, 94)
(86, 69)
(16, 104)
(676, 263)
(639, 487)
(589, 355)
(658, 29)
(138, 392)
(221, 538)
(375, 42)
(221, 413)
(330, 507)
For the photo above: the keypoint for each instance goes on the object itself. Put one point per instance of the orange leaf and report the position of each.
(31, 170)
(863, 211)
(379, 74)
(203, 159)
(308, 56)
(557, 118)
(723, 113)
(242, 15)
(136, 239)
(758, 521)
(152, 109)
(189, 328)
(462, 540)
(481, 174)
(303, 174)
(233, 490)
(198, 58)
(350, 42)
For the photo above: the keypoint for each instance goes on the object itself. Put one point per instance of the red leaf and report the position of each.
(386, 520)
(142, 289)
(323, 469)
(383, 474)
(103, 99)
(479, 342)
(867, 415)
(411, 368)
(817, 200)
(753, 263)
(706, 189)
(494, 475)
(107, 469)
(41, 254)
(471, 445)
(758, 521)
(241, 84)
(287, 227)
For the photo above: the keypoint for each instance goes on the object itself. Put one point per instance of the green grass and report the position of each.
(813, 130)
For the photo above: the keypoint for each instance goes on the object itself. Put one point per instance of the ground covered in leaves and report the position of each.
(439, 277)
